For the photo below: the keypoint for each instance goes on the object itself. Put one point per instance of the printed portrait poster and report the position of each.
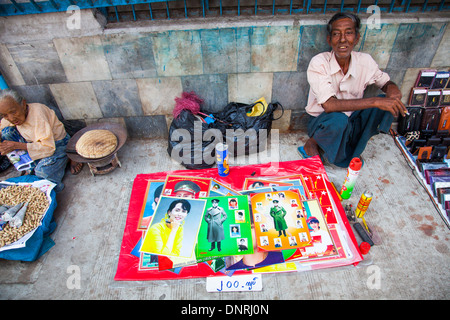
(255, 183)
(322, 240)
(280, 221)
(186, 187)
(151, 198)
(296, 185)
(258, 259)
(219, 189)
(225, 229)
(146, 261)
(315, 188)
(163, 238)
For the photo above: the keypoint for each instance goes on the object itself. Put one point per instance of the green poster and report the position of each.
(225, 229)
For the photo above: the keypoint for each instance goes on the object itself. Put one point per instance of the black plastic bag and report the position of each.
(192, 142)
(187, 144)
(244, 134)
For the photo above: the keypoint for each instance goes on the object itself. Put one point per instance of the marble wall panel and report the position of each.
(225, 50)
(178, 53)
(213, 89)
(9, 69)
(313, 40)
(415, 45)
(83, 58)
(441, 58)
(118, 98)
(38, 62)
(136, 76)
(130, 56)
(147, 127)
(378, 42)
(274, 48)
(249, 87)
(76, 100)
(158, 94)
(39, 94)
(290, 89)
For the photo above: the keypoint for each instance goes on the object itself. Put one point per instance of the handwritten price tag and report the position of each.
(252, 282)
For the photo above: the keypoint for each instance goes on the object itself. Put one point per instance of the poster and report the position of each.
(174, 228)
(186, 187)
(258, 259)
(129, 260)
(322, 244)
(279, 220)
(315, 188)
(225, 229)
(152, 195)
(219, 189)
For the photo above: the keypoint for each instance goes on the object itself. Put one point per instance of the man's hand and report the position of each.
(393, 101)
(393, 105)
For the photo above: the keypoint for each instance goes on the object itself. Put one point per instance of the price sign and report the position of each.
(252, 282)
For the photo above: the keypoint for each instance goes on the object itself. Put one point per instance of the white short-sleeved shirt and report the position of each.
(326, 79)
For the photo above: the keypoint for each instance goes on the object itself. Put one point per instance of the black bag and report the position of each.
(243, 134)
(186, 145)
(192, 142)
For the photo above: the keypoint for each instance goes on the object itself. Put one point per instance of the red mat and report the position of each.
(128, 265)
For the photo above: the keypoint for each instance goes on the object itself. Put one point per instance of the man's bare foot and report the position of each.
(311, 147)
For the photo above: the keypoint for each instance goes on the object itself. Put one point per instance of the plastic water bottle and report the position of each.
(352, 174)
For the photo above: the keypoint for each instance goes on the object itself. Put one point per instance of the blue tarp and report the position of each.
(40, 242)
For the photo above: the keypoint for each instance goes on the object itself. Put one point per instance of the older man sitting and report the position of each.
(342, 120)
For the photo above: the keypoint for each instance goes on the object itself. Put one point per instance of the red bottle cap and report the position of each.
(355, 164)
(364, 247)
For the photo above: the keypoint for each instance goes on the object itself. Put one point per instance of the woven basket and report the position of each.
(96, 144)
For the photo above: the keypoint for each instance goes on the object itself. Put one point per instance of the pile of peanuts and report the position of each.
(37, 206)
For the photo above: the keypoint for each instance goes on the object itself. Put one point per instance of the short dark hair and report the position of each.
(185, 205)
(343, 15)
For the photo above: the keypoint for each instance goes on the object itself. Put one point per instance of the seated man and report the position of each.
(342, 120)
(35, 128)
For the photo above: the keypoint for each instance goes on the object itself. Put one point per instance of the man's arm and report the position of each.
(392, 102)
(391, 90)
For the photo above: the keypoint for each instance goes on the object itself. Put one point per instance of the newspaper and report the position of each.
(20, 159)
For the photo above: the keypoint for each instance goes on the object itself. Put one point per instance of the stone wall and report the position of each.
(132, 72)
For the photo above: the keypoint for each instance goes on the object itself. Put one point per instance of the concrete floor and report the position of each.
(412, 260)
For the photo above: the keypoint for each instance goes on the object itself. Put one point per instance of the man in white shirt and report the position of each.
(342, 121)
